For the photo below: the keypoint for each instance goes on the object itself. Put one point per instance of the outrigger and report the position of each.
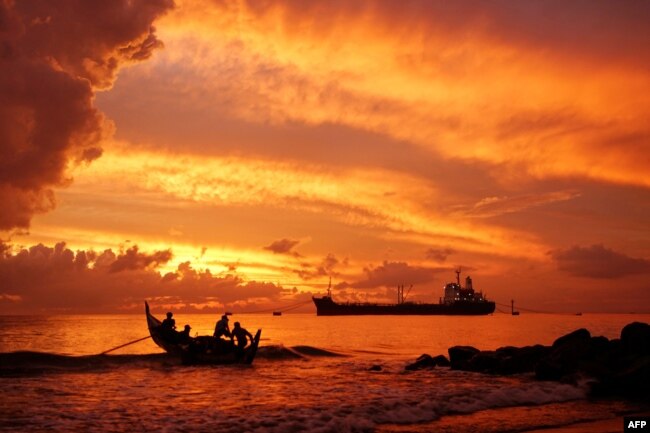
(203, 349)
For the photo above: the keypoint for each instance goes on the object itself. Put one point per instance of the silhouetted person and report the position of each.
(168, 324)
(184, 335)
(222, 328)
(240, 334)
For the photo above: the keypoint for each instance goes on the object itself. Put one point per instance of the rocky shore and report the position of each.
(616, 367)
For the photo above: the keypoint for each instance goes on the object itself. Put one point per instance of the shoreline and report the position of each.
(608, 425)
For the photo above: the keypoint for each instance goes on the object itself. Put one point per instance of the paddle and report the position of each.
(124, 345)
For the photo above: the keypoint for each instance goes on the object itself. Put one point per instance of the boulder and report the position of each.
(565, 356)
(459, 355)
(576, 337)
(514, 360)
(631, 381)
(423, 361)
(486, 361)
(635, 338)
(441, 361)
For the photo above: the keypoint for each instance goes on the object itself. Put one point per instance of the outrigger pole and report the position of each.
(124, 345)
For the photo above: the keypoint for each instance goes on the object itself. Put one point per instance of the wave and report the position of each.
(365, 409)
(315, 351)
(27, 362)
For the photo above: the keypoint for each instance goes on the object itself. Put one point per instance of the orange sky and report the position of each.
(273, 146)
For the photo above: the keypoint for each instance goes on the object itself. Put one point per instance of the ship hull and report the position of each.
(327, 307)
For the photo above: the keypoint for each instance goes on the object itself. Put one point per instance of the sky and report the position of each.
(237, 155)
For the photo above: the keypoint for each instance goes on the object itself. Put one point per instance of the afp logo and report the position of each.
(636, 424)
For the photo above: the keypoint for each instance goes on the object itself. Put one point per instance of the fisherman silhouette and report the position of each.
(240, 334)
(168, 324)
(222, 328)
(184, 335)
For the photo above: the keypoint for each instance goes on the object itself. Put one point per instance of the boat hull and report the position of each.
(325, 306)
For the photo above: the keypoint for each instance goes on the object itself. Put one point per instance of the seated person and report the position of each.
(168, 324)
(184, 335)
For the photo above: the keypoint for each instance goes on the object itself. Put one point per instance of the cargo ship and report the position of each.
(457, 301)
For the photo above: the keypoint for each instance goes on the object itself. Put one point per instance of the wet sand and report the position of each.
(613, 425)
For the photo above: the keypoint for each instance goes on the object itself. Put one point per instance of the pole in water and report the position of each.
(512, 308)
(125, 344)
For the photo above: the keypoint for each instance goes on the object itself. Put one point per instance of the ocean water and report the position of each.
(311, 374)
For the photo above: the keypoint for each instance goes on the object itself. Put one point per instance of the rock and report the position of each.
(483, 362)
(441, 361)
(549, 369)
(459, 355)
(577, 336)
(375, 367)
(599, 346)
(631, 381)
(566, 356)
(635, 338)
(423, 361)
(514, 360)
(618, 367)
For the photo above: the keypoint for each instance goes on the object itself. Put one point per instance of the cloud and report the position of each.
(439, 254)
(283, 246)
(326, 268)
(132, 259)
(395, 203)
(597, 261)
(42, 278)
(436, 75)
(53, 56)
(390, 274)
(495, 206)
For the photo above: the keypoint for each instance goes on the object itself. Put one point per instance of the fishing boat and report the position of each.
(458, 301)
(203, 349)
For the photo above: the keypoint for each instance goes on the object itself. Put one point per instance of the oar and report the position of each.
(124, 345)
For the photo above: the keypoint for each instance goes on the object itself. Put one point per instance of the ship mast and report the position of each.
(401, 297)
(458, 276)
(329, 288)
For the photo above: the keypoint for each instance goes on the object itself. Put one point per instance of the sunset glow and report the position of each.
(271, 147)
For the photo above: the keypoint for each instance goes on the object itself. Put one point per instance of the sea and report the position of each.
(311, 374)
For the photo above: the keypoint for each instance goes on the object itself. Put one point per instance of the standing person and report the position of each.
(222, 328)
(240, 334)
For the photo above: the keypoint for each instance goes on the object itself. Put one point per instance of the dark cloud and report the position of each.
(438, 254)
(57, 279)
(597, 261)
(283, 246)
(132, 259)
(581, 28)
(52, 57)
(391, 274)
(327, 267)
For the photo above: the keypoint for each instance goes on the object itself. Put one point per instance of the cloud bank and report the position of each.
(57, 279)
(597, 261)
(53, 56)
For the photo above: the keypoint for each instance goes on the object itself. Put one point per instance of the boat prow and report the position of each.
(203, 349)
